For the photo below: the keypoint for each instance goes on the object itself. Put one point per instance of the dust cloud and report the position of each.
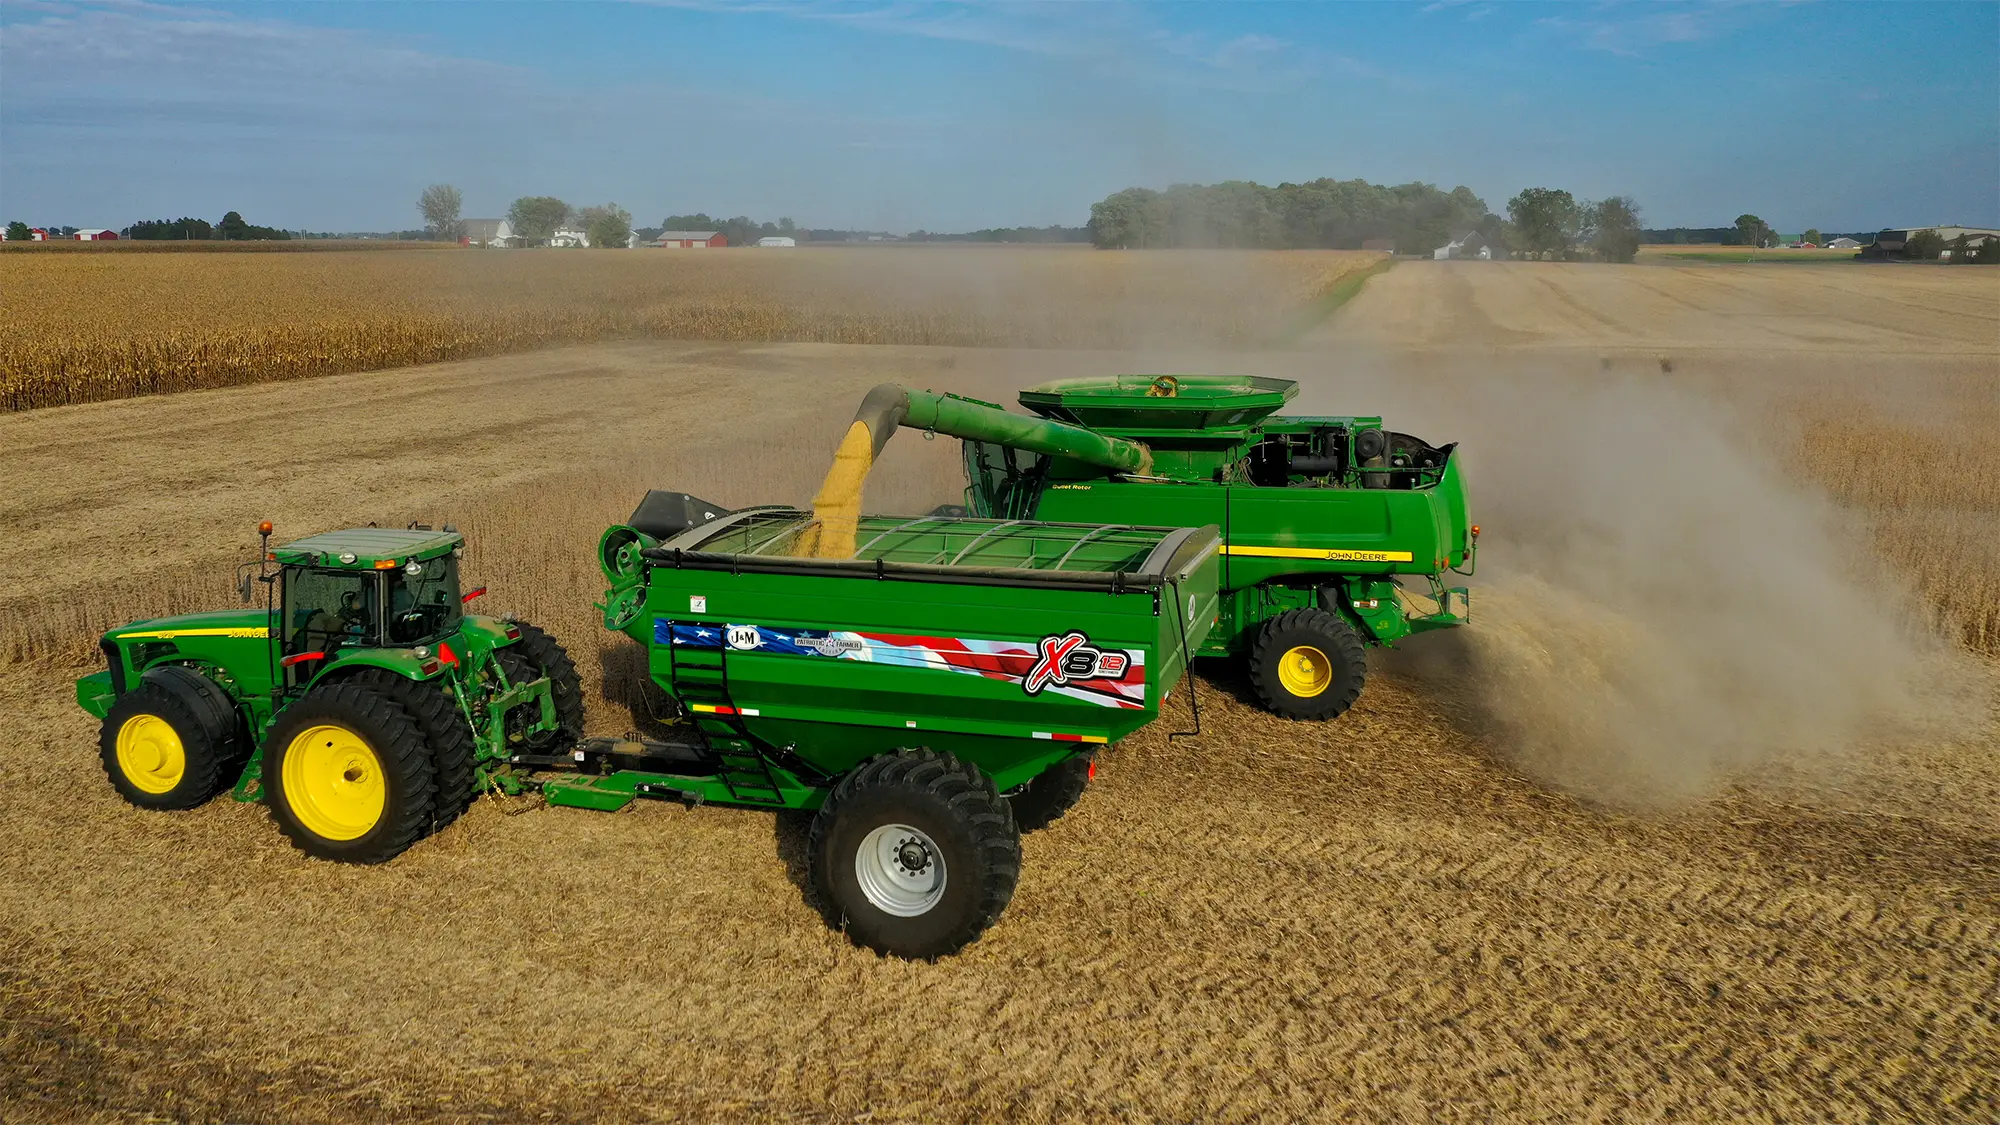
(1659, 608)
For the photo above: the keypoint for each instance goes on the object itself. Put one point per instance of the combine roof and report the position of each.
(365, 547)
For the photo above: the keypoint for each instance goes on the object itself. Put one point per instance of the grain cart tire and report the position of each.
(552, 660)
(915, 854)
(1308, 664)
(1053, 792)
(160, 750)
(347, 775)
(444, 728)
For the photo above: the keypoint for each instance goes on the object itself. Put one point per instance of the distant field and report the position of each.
(1706, 252)
(88, 326)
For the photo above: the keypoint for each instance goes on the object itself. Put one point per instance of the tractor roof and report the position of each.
(366, 548)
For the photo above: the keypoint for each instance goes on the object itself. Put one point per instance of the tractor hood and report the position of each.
(248, 622)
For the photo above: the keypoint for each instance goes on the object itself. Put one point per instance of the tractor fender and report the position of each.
(402, 662)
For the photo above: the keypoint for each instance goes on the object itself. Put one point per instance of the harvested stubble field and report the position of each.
(86, 326)
(1694, 822)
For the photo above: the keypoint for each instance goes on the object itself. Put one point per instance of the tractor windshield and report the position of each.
(325, 609)
(424, 601)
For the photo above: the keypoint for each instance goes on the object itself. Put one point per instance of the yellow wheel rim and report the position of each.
(333, 783)
(1305, 671)
(150, 754)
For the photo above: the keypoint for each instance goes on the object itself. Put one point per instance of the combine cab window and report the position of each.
(1005, 481)
(424, 606)
(325, 609)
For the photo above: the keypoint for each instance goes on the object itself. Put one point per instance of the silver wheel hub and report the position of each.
(900, 870)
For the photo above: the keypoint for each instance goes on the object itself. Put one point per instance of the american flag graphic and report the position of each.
(1007, 661)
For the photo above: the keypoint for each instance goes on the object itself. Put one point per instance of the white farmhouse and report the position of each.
(569, 236)
(777, 240)
(488, 232)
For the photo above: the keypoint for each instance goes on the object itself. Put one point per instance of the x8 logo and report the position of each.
(1071, 656)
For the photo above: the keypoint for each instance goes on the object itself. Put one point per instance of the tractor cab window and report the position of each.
(423, 601)
(325, 609)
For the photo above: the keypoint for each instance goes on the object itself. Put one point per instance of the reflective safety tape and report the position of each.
(1058, 736)
(713, 709)
(169, 634)
(1331, 555)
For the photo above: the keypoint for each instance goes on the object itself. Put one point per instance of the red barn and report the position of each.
(97, 235)
(690, 240)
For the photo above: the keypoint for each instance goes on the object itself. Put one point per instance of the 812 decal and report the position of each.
(1063, 657)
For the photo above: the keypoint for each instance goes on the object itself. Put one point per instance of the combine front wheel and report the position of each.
(915, 854)
(348, 776)
(1308, 664)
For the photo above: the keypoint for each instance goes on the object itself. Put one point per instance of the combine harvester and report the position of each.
(1321, 516)
(929, 696)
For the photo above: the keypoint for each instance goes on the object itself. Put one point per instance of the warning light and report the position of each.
(264, 528)
(1475, 531)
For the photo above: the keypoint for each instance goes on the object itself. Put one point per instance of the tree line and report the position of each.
(1347, 214)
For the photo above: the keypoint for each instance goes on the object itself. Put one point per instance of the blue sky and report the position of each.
(898, 116)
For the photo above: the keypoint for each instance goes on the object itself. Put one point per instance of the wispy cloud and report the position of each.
(1629, 28)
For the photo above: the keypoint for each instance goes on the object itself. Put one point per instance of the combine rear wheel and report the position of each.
(347, 775)
(915, 854)
(1053, 792)
(1308, 664)
(168, 743)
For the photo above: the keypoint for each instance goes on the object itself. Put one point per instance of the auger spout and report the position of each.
(890, 406)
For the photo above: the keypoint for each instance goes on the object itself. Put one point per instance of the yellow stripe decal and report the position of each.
(1319, 553)
(170, 634)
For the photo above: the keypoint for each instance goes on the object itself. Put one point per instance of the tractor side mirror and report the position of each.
(243, 584)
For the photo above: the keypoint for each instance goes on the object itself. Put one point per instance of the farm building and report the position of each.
(569, 236)
(777, 240)
(1893, 241)
(37, 234)
(690, 240)
(1843, 244)
(1470, 244)
(96, 234)
(487, 232)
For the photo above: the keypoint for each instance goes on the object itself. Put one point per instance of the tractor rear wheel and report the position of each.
(1053, 792)
(162, 749)
(550, 659)
(347, 775)
(1308, 664)
(915, 854)
(444, 728)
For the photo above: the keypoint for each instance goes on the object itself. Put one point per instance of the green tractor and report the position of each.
(1337, 532)
(360, 702)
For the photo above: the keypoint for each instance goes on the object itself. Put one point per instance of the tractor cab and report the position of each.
(367, 588)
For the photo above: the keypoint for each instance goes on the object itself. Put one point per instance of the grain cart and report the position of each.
(1321, 516)
(930, 696)
(361, 701)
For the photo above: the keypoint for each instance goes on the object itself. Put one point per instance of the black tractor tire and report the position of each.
(161, 749)
(1308, 664)
(550, 659)
(1052, 792)
(913, 812)
(377, 747)
(444, 728)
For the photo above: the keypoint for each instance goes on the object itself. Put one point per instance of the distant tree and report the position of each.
(19, 232)
(440, 204)
(1547, 221)
(609, 226)
(1812, 235)
(178, 230)
(1923, 246)
(1615, 229)
(232, 228)
(1120, 221)
(1986, 253)
(536, 217)
(1753, 231)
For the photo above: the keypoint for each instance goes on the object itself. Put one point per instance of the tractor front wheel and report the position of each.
(915, 854)
(162, 749)
(348, 776)
(1308, 664)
